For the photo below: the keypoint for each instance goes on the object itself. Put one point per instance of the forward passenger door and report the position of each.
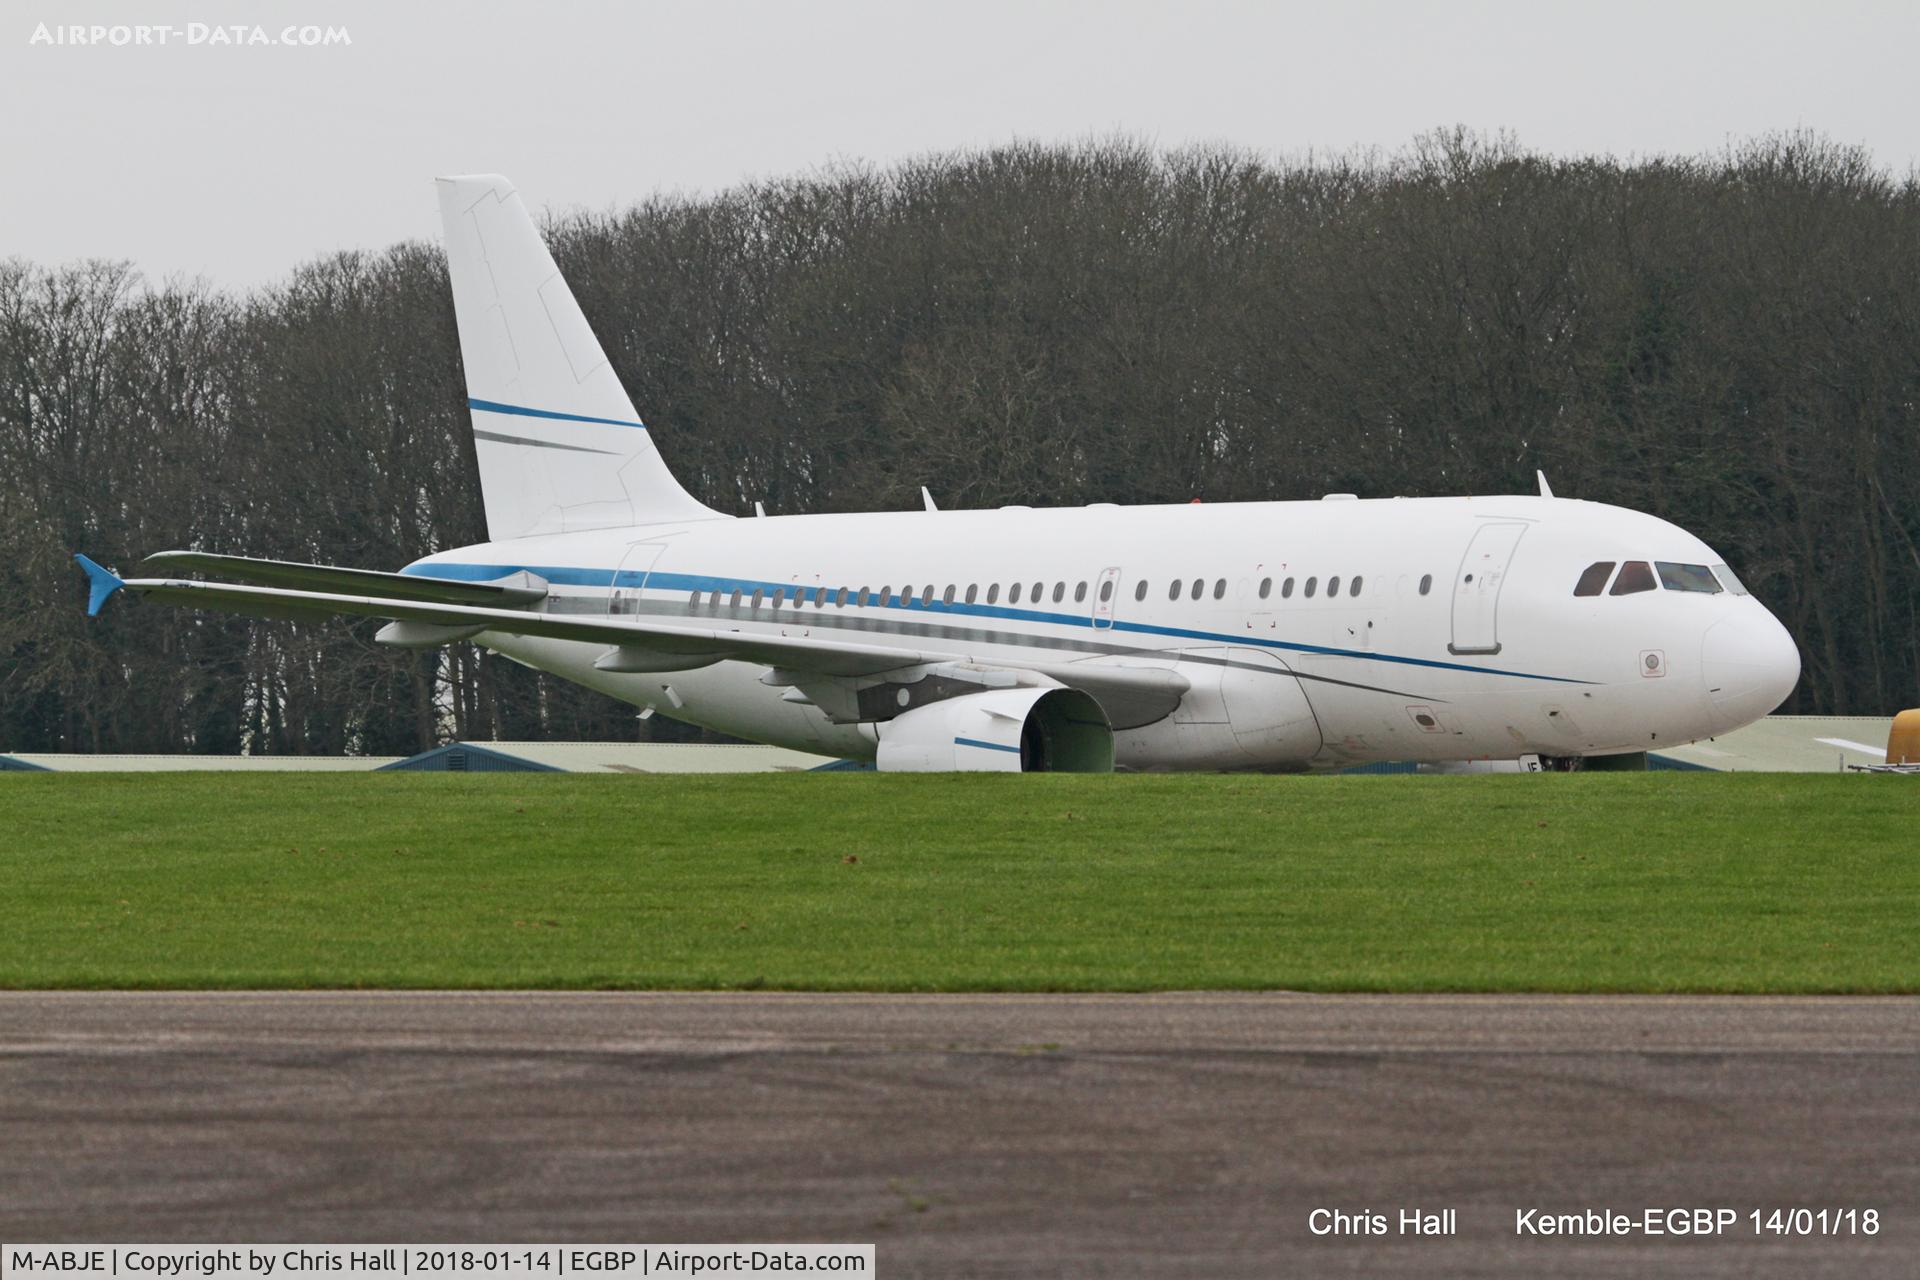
(1476, 587)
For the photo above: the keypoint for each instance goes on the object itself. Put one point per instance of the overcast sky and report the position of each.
(238, 162)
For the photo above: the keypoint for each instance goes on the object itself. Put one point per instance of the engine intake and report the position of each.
(1023, 730)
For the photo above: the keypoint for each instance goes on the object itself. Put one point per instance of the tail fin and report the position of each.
(559, 443)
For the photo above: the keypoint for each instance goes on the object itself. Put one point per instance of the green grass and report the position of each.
(1647, 882)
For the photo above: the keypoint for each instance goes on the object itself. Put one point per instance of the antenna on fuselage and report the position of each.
(1546, 490)
(927, 498)
(759, 509)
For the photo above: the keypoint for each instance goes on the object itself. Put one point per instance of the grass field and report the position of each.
(1647, 882)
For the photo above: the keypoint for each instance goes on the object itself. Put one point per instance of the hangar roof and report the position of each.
(1777, 744)
(659, 757)
(1790, 744)
(76, 762)
(569, 757)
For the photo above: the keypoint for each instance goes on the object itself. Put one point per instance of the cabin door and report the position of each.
(1476, 587)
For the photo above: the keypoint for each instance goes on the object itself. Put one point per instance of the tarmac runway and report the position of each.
(1123, 1135)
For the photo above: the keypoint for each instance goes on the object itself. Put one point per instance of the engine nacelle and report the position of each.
(1022, 730)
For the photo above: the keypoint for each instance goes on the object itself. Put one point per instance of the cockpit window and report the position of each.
(1635, 576)
(1729, 580)
(1687, 577)
(1594, 580)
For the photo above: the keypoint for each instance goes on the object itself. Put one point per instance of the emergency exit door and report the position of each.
(1105, 597)
(1476, 587)
(631, 577)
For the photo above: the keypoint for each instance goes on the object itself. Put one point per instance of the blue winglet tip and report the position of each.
(101, 583)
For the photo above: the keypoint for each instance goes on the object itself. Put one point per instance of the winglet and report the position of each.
(1545, 490)
(102, 583)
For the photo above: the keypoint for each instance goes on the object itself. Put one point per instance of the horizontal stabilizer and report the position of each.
(521, 588)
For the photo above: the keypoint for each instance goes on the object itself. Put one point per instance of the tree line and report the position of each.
(1730, 341)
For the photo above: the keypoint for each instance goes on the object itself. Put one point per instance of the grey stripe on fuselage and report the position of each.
(502, 438)
(808, 616)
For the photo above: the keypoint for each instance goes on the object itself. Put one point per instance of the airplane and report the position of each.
(1265, 636)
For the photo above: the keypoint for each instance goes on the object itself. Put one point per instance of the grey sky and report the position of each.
(237, 162)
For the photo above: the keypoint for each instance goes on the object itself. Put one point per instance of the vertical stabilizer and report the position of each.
(559, 443)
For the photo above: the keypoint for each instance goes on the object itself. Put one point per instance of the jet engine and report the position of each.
(1018, 730)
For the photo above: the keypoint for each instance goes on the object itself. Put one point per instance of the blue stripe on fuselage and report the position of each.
(632, 579)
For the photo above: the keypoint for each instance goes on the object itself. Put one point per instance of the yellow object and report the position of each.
(1903, 740)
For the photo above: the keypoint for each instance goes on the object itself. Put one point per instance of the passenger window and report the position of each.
(993, 593)
(758, 595)
(714, 600)
(1730, 580)
(1173, 589)
(886, 596)
(1059, 592)
(1220, 588)
(1353, 588)
(1286, 589)
(1687, 577)
(972, 591)
(861, 600)
(946, 597)
(1106, 591)
(1311, 583)
(1593, 580)
(1013, 596)
(693, 601)
(1079, 592)
(1333, 585)
(1426, 583)
(840, 598)
(734, 599)
(1033, 596)
(926, 594)
(1635, 577)
(1198, 587)
(1140, 589)
(1266, 587)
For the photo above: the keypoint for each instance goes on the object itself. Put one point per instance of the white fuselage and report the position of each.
(1496, 657)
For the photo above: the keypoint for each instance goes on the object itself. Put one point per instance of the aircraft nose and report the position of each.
(1750, 665)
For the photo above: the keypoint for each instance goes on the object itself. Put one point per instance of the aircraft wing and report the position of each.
(521, 588)
(1143, 694)
(828, 657)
